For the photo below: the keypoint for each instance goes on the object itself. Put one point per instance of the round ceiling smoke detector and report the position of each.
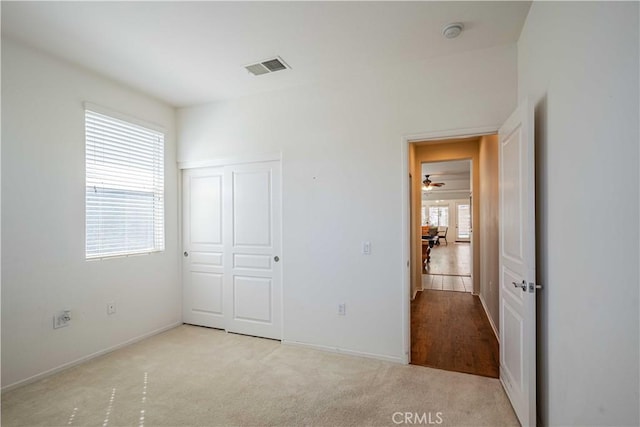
(451, 31)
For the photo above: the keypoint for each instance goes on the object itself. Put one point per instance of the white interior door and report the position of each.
(517, 263)
(232, 222)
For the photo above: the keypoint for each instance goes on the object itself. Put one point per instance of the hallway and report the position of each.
(439, 282)
(452, 259)
(450, 330)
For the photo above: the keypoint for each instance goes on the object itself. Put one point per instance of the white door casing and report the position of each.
(234, 283)
(517, 262)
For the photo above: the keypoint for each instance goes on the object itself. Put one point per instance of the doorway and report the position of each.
(507, 287)
(446, 218)
(450, 323)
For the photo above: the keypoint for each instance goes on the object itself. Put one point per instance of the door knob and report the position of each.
(186, 254)
(522, 285)
(276, 258)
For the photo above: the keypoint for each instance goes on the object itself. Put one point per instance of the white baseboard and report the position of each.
(493, 326)
(386, 358)
(83, 359)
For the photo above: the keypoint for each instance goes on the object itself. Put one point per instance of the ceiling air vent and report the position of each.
(267, 66)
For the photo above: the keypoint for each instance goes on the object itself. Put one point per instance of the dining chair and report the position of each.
(442, 234)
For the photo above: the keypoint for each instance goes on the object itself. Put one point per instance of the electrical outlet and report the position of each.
(111, 308)
(342, 309)
(366, 248)
(61, 319)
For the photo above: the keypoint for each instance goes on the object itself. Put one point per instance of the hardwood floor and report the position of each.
(450, 330)
(453, 259)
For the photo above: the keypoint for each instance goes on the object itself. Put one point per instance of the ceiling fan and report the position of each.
(428, 185)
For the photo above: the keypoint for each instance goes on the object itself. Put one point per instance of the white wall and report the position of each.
(341, 148)
(43, 259)
(579, 63)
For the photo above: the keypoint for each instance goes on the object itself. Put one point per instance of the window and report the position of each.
(464, 221)
(424, 216)
(439, 216)
(124, 187)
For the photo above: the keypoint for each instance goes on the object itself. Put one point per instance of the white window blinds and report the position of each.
(124, 187)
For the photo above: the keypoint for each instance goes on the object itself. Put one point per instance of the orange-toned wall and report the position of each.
(415, 242)
(488, 192)
(444, 151)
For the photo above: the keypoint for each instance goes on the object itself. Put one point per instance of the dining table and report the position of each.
(427, 243)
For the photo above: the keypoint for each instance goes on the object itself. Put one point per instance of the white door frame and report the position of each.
(228, 161)
(213, 162)
(405, 215)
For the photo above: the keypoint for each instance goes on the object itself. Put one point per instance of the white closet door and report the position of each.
(203, 257)
(253, 237)
(232, 223)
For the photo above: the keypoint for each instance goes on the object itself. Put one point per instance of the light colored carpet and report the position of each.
(192, 376)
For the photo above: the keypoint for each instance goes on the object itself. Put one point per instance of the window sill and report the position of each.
(126, 255)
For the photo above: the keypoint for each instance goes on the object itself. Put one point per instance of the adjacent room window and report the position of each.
(124, 187)
(424, 216)
(439, 216)
(464, 221)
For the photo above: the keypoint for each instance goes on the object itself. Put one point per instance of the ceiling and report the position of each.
(188, 53)
(443, 170)
(455, 174)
